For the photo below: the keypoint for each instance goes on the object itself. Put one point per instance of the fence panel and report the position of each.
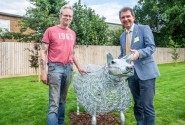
(14, 59)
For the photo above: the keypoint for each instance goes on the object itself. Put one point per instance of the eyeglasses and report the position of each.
(66, 15)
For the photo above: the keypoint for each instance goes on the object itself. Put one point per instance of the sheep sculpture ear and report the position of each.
(128, 57)
(109, 58)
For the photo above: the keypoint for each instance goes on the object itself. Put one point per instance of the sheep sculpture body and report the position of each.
(104, 89)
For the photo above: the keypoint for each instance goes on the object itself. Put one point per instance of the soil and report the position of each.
(85, 119)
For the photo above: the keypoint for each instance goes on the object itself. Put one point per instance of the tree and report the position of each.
(38, 19)
(34, 58)
(91, 29)
(175, 55)
(114, 37)
(43, 15)
(165, 17)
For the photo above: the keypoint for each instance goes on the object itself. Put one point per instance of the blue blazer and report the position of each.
(143, 41)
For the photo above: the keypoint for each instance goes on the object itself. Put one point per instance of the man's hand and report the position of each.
(136, 54)
(44, 78)
(82, 71)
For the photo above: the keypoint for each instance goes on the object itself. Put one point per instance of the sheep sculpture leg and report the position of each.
(78, 108)
(122, 117)
(94, 119)
(93, 122)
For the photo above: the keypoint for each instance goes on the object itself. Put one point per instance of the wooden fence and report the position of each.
(14, 58)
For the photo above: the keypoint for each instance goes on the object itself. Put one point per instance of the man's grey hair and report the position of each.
(124, 9)
(64, 7)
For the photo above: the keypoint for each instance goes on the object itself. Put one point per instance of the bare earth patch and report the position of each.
(85, 119)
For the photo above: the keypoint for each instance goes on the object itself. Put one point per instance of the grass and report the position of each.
(23, 102)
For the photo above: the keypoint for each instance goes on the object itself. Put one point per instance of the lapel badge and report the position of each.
(136, 39)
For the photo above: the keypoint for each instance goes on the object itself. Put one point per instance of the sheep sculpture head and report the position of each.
(120, 67)
(104, 89)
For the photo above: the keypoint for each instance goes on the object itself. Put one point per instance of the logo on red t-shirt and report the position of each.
(65, 36)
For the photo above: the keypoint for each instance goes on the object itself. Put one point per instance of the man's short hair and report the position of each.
(124, 9)
(64, 7)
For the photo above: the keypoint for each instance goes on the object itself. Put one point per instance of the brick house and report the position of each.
(10, 22)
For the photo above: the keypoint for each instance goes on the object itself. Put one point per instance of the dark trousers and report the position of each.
(143, 92)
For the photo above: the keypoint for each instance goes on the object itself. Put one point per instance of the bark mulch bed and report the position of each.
(85, 119)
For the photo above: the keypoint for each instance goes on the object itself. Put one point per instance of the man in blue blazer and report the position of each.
(142, 84)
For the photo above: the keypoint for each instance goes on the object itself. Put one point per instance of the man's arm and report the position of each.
(149, 43)
(149, 47)
(81, 71)
(43, 62)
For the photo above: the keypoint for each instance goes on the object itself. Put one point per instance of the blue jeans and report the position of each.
(59, 78)
(143, 92)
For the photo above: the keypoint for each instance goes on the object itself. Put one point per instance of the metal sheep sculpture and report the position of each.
(104, 89)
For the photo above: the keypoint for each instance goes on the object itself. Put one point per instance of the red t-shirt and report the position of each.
(61, 44)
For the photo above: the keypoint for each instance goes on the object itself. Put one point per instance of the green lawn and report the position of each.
(23, 102)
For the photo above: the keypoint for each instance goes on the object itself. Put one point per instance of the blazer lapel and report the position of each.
(134, 35)
(124, 38)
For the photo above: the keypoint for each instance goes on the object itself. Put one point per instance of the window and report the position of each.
(5, 24)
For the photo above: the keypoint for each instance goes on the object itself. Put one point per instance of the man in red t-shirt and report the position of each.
(57, 50)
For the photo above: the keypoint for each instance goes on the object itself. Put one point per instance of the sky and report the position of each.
(107, 8)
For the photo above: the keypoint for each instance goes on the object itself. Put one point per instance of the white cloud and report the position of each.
(14, 7)
(109, 11)
(129, 3)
